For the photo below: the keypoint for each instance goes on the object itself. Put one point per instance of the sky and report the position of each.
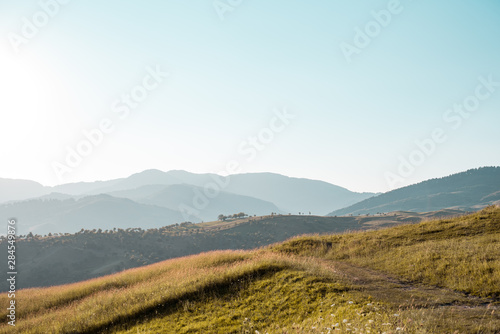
(367, 95)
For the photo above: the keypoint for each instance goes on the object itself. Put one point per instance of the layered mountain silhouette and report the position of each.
(194, 203)
(154, 198)
(43, 216)
(287, 193)
(12, 190)
(470, 190)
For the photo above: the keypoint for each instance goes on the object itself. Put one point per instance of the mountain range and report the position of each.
(155, 198)
(469, 191)
(45, 216)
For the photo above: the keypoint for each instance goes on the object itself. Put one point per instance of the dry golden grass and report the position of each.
(461, 253)
(309, 284)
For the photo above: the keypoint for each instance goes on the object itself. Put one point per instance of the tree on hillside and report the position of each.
(222, 217)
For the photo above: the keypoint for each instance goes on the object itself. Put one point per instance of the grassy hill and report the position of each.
(468, 191)
(60, 259)
(440, 276)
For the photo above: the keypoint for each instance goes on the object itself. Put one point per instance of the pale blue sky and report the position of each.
(353, 120)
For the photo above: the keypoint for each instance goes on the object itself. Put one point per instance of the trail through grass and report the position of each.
(434, 277)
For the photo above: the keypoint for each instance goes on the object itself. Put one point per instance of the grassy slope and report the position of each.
(408, 277)
(66, 259)
(461, 253)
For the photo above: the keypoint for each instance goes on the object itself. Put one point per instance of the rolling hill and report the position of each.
(438, 276)
(92, 253)
(91, 212)
(469, 191)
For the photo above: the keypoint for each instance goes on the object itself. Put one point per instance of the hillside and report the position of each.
(45, 216)
(180, 197)
(468, 191)
(92, 253)
(439, 276)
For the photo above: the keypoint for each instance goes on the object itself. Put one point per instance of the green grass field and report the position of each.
(439, 276)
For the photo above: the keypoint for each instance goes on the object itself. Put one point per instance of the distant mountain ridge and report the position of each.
(288, 194)
(294, 194)
(154, 198)
(469, 190)
(43, 216)
(179, 196)
(12, 190)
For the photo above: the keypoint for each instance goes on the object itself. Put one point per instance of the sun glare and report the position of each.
(21, 92)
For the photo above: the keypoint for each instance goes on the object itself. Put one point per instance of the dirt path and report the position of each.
(389, 288)
(451, 305)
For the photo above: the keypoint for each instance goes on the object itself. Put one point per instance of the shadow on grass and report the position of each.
(227, 287)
